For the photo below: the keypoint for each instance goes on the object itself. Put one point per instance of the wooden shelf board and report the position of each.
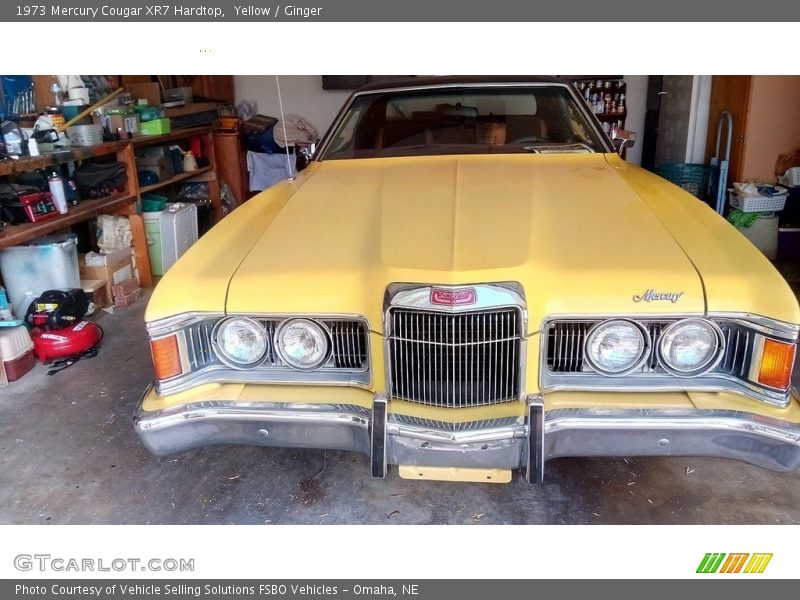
(51, 159)
(86, 209)
(171, 180)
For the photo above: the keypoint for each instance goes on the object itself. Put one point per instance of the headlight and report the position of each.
(240, 342)
(616, 347)
(302, 344)
(690, 347)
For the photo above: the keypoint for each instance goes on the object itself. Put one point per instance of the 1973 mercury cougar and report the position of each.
(469, 280)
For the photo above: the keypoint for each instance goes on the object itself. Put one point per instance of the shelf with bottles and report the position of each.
(605, 96)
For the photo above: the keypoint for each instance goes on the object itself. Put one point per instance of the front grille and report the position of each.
(455, 360)
(349, 344)
(455, 427)
(565, 340)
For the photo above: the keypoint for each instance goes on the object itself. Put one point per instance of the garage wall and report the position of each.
(303, 95)
(773, 124)
(636, 99)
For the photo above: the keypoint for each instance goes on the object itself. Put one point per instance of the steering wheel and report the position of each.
(526, 139)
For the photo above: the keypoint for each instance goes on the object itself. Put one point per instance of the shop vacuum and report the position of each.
(60, 333)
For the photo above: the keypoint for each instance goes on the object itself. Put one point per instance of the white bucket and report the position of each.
(764, 235)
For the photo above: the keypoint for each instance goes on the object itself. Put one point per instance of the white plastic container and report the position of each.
(46, 263)
(85, 135)
(170, 233)
(764, 235)
(16, 351)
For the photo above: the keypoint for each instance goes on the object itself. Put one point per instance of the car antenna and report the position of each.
(285, 136)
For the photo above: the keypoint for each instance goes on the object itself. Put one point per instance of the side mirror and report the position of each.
(622, 138)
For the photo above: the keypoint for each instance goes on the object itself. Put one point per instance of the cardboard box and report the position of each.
(128, 299)
(96, 288)
(145, 90)
(116, 268)
(161, 166)
(125, 288)
(190, 115)
(124, 123)
(156, 127)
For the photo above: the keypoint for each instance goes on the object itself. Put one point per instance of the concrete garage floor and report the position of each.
(68, 454)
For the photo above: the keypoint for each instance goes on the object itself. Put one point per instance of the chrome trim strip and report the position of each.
(455, 438)
(163, 327)
(222, 374)
(787, 331)
(502, 294)
(651, 383)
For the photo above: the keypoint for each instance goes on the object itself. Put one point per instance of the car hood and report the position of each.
(569, 228)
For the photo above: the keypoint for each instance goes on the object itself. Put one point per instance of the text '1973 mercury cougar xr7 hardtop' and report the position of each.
(468, 280)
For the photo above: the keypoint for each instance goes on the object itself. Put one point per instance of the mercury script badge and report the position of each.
(653, 296)
(453, 297)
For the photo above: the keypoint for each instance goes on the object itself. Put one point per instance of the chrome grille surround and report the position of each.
(563, 366)
(347, 364)
(459, 355)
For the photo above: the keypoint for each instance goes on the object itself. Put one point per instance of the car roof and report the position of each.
(450, 80)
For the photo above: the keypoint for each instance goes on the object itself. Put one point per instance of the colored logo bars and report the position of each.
(734, 563)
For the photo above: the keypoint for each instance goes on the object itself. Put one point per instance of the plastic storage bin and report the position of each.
(764, 235)
(153, 202)
(772, 203)
(170, 233)
(16, 351)
(45, 263)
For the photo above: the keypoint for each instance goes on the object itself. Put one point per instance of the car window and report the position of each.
(540, 119)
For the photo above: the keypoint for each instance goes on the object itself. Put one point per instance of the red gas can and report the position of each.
(65, 342)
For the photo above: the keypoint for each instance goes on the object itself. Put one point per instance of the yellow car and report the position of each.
(468, 280)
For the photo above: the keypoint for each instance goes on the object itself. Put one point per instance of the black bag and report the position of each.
(95, 180)
(58, 308)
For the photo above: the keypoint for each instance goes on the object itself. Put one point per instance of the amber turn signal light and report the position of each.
(166, 357)
(776, 364)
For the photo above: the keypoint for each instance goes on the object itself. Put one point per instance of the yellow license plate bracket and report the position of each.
(456, 474)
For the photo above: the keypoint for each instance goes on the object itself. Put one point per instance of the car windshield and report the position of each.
(463, 120)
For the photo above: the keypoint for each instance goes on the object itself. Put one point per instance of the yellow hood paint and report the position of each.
(737, 277)
(583, 234)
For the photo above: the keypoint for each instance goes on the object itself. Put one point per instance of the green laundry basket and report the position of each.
(690, 176)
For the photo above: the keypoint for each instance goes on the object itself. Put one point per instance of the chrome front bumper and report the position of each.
(526, 443)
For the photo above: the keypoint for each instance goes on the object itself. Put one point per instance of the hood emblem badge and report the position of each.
(654, 296)
(454, 297)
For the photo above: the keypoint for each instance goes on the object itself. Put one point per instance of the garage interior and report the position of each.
(68, 451)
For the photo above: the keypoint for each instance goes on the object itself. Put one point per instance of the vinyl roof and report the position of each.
(455, 80)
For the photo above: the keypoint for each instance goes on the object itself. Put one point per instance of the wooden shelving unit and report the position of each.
(126, 203)
(606, 97)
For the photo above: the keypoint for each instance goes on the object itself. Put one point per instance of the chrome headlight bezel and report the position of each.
(635, 364)
(326, 335)
(226, 358)
(708, 365)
